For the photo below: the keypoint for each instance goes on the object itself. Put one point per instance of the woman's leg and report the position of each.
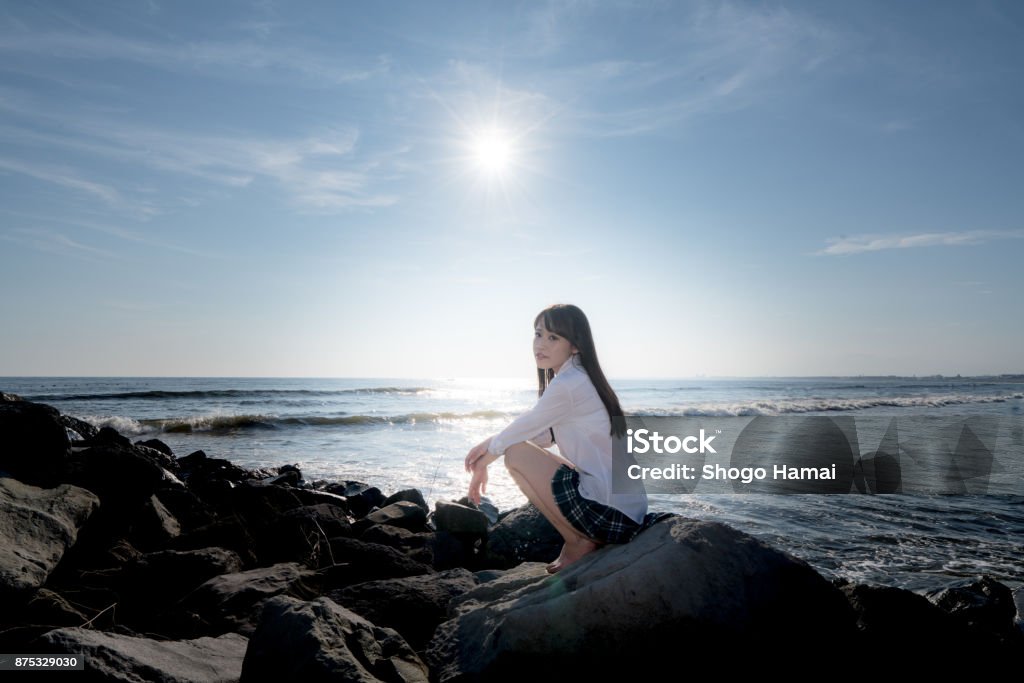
(533, 468)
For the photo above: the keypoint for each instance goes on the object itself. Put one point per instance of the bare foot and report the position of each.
(571, 552)
(554, 566)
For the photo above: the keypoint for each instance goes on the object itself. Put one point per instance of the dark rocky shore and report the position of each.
(191, 568)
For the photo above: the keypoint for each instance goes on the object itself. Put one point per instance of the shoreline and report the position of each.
(162, 548)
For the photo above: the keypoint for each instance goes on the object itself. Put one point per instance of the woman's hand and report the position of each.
(478, 484)
(478, 451)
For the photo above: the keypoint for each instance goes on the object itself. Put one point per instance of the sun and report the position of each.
(492, 151)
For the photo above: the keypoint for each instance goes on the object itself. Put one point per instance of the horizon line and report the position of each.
(1004, 375)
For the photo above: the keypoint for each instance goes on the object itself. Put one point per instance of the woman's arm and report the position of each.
(554, 405)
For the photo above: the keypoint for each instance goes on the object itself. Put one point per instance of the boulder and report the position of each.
(115, 657)
(108, 436)
(893, 621)
(84, 430)
(361, 496)
(33, 443)
(681, 585)
(522, 535)
(984, 605)
(153, 525)
(485, 506)
(461, 536)
(186, 507)
(408, 495)
(125, 481)
(459, 519)
(228, 532)
(158, 445)
(403, 513)
(322, 641)
(7, 396)
(164, 577)
(121, 476)
(36, 527)
(230, 602)
(358, 561)
(413, 606)
(281, 534)
(330, 520)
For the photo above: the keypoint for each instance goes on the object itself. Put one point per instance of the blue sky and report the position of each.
(395, 189)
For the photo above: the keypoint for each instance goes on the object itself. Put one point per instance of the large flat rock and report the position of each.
(681, 590)
(114, 657)
(36, 527)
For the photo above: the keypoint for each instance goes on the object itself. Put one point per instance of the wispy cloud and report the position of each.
(858, 244)
(130, 236)
(321, 172)
(68, 178)
(52, 242)
(736, 56)
(315, 68)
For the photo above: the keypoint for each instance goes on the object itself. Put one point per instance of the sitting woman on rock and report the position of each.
(572, 490)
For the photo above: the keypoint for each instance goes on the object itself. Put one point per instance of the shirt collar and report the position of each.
(566, 364)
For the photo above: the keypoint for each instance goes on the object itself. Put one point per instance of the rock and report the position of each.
(302, 535)
(359, 561)
(461, 538)
(150, 588)
(485, 506)
(84, 430)
(5, 396)
(169, 575)
(278, 535)
(108, 436)
(322, 641)
(287, 478)
(153, 525)
(403, 513)
(186, 507)
(34, 443)
(408, 495)
(413, 606)
(680, 586)
(459, 519)
(230, 602)
(361, 497)
(230, 533)
(121, 476)
(158, 445)
(395, 537)
(125, 481)
(889, 614)
(416, 546)
(984, 605)
(522, 535)
(496, 584)
(166, 462)
(36, 527)
(114, 657)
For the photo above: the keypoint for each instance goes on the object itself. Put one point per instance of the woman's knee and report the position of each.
(516, 454)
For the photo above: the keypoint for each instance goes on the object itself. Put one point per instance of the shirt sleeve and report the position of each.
(554, 405)
(544, 438)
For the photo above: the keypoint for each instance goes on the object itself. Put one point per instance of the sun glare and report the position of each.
(492, 151)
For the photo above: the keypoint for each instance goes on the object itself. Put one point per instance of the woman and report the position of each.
(572, 490)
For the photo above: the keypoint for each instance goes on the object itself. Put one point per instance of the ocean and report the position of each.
(398, 434)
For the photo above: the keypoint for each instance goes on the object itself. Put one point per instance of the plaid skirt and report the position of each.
(598, 521)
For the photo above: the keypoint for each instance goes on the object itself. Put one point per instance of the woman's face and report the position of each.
(549, 349)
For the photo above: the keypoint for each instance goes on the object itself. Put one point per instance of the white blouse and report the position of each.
(572, 408)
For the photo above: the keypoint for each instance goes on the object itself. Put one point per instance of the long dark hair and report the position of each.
(568, 321)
